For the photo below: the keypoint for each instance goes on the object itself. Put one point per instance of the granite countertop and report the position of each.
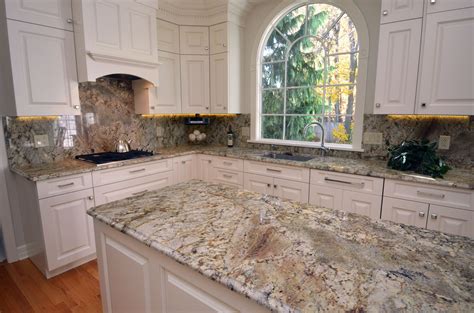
(303, 258)
(457, 177)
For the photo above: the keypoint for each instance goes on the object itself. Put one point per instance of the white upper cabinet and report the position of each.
(53, 13)
(115, 37)
(195, 83)
(434, 6)
(397, 70)
(399, 10)
(194, 40)
(168, 36)
(219, 83)
(218, 38)
(43, 71)
(447, 71)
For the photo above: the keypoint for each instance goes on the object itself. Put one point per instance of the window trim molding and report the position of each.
(266, 26)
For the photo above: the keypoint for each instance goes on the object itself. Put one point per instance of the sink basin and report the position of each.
(288, 156)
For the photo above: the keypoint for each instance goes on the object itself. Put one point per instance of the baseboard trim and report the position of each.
(25, 251)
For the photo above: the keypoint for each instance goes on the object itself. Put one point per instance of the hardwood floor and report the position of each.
(24, 289)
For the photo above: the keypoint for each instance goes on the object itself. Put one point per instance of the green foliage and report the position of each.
(417, 156)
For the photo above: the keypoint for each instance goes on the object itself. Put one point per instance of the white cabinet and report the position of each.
(195, 84)
(258, 183)
(327, 197)
(399, 10)
(227, 177)
(434, 6)
(218, 38)
(405, 212)
(166, 97)
(35, 53)
(115, 36)
(451, 221)
(399, 50)
(194, 40)
(447, 66)
(67, 229)
(184, 168)
(168, 37)
(282, 188)
(363, 204)
(53, 13)
(219, 83)
(204, 167)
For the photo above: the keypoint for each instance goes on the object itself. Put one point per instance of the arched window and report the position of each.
(309, 63)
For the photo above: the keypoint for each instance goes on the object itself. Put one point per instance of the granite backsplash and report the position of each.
(108, 115)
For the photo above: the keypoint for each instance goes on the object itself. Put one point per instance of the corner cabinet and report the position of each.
(425, 64)
(115, 37)
(195, 84)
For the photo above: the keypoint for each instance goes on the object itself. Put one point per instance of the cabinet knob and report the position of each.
(76, 107)
(206, 48)
(421, 214)
(207, 108)
(225, 108)
(69, 20)
(275, 186)
(378, 105)
(432, 1)
(423, 105)
(434, 216)
(224, 45)
(184, 162)
(91, 198)
(152, 108)
(209, 161)
(385, 12)
(269, 185)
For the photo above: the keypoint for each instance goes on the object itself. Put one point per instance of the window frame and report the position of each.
(353, 12)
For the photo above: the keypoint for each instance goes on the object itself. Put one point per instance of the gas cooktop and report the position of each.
(109, 157)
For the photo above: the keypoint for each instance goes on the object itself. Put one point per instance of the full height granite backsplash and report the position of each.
(108, 115)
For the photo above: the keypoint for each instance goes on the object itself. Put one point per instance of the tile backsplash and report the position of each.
(108, 115)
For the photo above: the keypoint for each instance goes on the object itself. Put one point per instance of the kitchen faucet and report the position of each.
(324, 149)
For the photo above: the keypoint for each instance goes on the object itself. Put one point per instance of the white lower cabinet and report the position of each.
(184, 168)
(285, 189)
(258, 183)
(326, 197)
(363, 204)
(227, 177)
(405, 212)
(204, 167)
(155, 282)
(451, 221)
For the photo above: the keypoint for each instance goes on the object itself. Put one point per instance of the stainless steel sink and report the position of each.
(288, 156)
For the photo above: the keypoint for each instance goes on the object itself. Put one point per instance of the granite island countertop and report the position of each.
(303, 258)
(457, 177)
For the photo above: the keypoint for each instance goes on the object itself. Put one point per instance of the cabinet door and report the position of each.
(195, 83)
(405, 212)
(168, 36)
(168, 92)
(184, 169)
(44, 70)
(227, 177)
(291, 190)
(434, 6)
(68, 230)
(447, 74)
(204, 167)
(363, 204)
(219, 83)
(326, 197)
(134, 187)
(258, 183)
(53, 13)
(218, 37)
(399, 10)
(194, 40)
(397, 67)
(451, 221)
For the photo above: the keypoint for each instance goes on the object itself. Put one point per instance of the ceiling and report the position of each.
(208, 4)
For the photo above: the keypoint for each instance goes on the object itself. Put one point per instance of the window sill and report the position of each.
(289, 143)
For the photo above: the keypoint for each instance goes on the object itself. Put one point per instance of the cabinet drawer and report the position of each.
(59, 186)
(347, 182)
(134, 187)
(457, 198)
(228, 164)
(277, 171)
(228, 177)
(115, 175)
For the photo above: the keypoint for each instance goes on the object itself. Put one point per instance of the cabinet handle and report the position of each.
(378, 105)
(206, 48)
(434, 216)
(183, 162)
(269, 185)
(137, 171)
(140, 192)
(152, 108)
(76, 107)
(273, 170)
(430, 195)
(432, 1)
(421, 214)
(209, 161)
(224, 45)
(423, 105)
(330, 180)
(69, 20)
(384, 12)
(227, 176)
(66, 185)
(207, 108)
(275, 186)
(225, 108)
(90, 198)
(227, 163)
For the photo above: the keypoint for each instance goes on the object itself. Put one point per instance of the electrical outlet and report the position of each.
(444, 142)
(41, 141)
(246, 131)
(160, 131)
(373, 138)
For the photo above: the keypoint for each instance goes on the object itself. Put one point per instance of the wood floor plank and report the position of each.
(11, 299)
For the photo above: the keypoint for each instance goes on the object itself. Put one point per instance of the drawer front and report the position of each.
(456, 198)
(451, 221)
(277, 171)
(228, 164)
(126, 173)
(63, 185)
(232, 178)
(405, 212)
(347, 182)
(135, 187)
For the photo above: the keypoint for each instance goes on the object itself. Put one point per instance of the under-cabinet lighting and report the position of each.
(458, 118)
(35, 118)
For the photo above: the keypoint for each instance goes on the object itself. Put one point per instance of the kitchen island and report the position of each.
(216, 248)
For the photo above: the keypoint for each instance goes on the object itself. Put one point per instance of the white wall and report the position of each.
(369, 8)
